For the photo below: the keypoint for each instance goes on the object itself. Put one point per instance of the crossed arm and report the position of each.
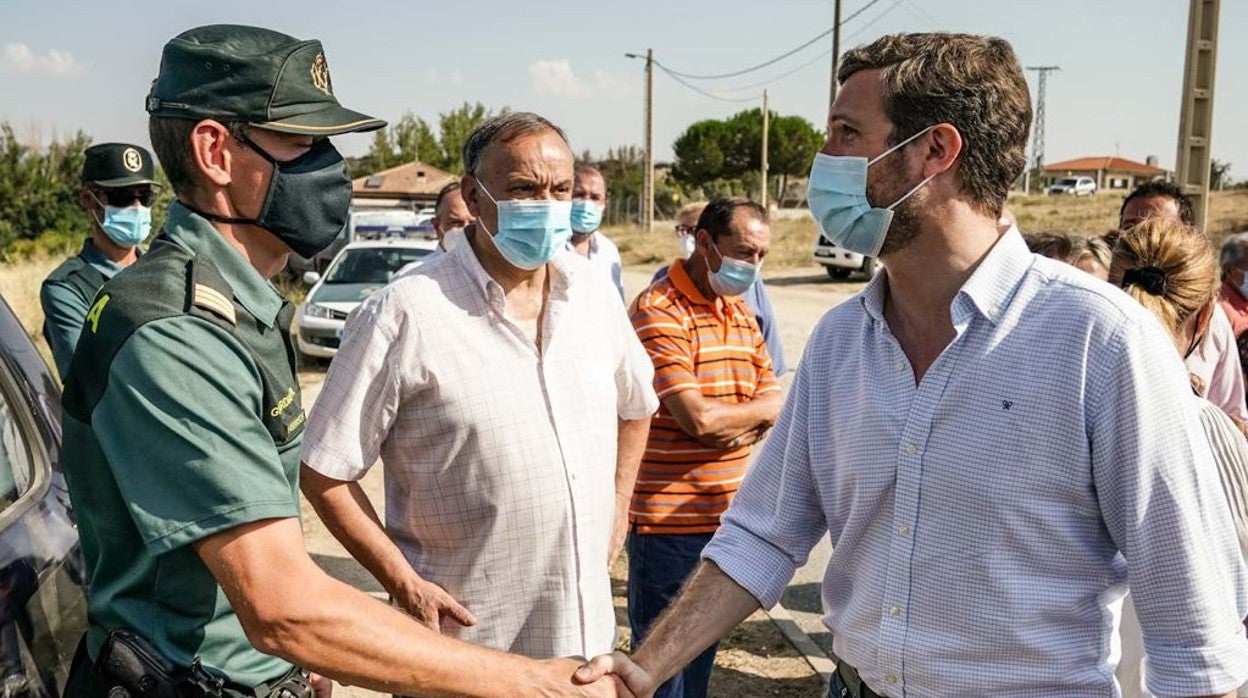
(724, 425)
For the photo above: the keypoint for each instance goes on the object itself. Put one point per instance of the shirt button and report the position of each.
(890, 678)
(901, 365)
(903, 530)
(911, 449)
(895, 611)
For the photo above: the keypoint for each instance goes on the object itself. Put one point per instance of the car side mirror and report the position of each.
(311, 277)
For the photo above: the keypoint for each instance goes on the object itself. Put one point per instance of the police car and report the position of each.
(840, 262)
(43, 606)
(356, 272)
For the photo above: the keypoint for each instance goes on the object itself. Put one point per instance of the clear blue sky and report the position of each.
(87, 65)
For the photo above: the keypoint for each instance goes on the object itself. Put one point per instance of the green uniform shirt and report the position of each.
(66, 296)
(192, 427)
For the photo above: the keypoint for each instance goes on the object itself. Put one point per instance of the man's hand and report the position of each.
(635, 680)
(430, 604)
(566, 673)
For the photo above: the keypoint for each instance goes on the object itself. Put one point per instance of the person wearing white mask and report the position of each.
(504, 389)
(589, 203)
(450, 216)
(995, 442)
(117, 194)
(719, 395)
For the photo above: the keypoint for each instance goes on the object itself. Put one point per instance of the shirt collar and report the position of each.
(251, 289)
(92, 255)
(678, 272)
(988, 290)
(562, 274)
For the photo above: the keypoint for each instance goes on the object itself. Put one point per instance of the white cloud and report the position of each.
(19, 58)
(555, 78)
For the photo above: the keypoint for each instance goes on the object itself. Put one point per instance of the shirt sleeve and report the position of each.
(63, 313)
(1157, 487)
(777, 517)
(634, 376)
(767, 324)
(361, 395)
(666, 339)
(1230, 452)
(1226, 386)
(178, 423)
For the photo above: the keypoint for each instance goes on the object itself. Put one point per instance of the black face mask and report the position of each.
(308, 199)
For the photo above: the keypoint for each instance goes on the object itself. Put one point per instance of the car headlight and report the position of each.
(320, 311)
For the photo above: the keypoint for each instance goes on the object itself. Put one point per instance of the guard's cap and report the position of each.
(265, 78)
(117, 165)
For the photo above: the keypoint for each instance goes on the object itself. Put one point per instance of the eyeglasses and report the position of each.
(685, 229)
(126, 196)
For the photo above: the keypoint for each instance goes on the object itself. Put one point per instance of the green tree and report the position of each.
(455, 126)
(792, 145)
(1219, 174)
(414, 140)
(39, 188)
(700, 156)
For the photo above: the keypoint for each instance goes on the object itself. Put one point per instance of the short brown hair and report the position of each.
(171, 141)
(1180, 272)
(974, 83)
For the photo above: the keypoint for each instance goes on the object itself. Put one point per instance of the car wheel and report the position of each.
(837, 273)
(868, 267)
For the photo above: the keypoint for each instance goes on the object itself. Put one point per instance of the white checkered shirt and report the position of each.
(986, 521)
(500, 462)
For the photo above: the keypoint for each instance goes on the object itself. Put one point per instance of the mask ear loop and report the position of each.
(902, 144)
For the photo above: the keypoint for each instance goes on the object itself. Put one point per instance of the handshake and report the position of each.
(612, 675)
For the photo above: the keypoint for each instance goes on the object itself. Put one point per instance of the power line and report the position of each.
(676, 76)
(777, 59)
(770, 81)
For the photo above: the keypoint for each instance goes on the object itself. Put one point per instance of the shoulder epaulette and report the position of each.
(214, 301)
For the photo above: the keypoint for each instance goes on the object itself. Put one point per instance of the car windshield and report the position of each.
(371, 265)
(1069, 181)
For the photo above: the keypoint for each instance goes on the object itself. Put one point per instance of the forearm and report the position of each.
(710, 605)
(356, 640)
(351, 518)
(714, 420)
(630, 446)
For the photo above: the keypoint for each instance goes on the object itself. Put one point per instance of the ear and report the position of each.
(469, 190)
(944, 146)
(211, 157)
(86, 200)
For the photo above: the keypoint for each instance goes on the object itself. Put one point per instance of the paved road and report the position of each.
(800, 298)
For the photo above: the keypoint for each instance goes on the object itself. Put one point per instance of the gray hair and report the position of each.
(504, 127)
(1093, 247)
(1234, 249)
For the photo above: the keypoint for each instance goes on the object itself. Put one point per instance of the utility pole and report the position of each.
(1191, 166)
(836, 49)
(647, 218)
(1037, 139)
(766, 123)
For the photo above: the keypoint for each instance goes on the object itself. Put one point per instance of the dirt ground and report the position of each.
(755, 659)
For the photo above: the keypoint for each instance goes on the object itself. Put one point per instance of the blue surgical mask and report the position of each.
(586, 216)
(837, 194)
(127, 226)
(530, 231)
(734, 276)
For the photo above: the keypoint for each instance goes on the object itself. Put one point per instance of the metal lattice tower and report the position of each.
(1037, 139)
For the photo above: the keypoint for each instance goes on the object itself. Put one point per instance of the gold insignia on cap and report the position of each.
(132, 160)
(320, 75)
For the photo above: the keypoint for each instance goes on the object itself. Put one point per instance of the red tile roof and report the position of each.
(1111, 164)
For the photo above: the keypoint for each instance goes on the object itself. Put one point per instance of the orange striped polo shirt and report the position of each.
(695, 344)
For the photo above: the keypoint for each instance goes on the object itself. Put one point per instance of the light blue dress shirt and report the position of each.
(986, 522)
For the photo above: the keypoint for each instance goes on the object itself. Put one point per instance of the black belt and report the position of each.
(855, 687)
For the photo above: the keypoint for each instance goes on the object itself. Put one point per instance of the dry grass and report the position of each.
(19, 285)
(793, 238)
